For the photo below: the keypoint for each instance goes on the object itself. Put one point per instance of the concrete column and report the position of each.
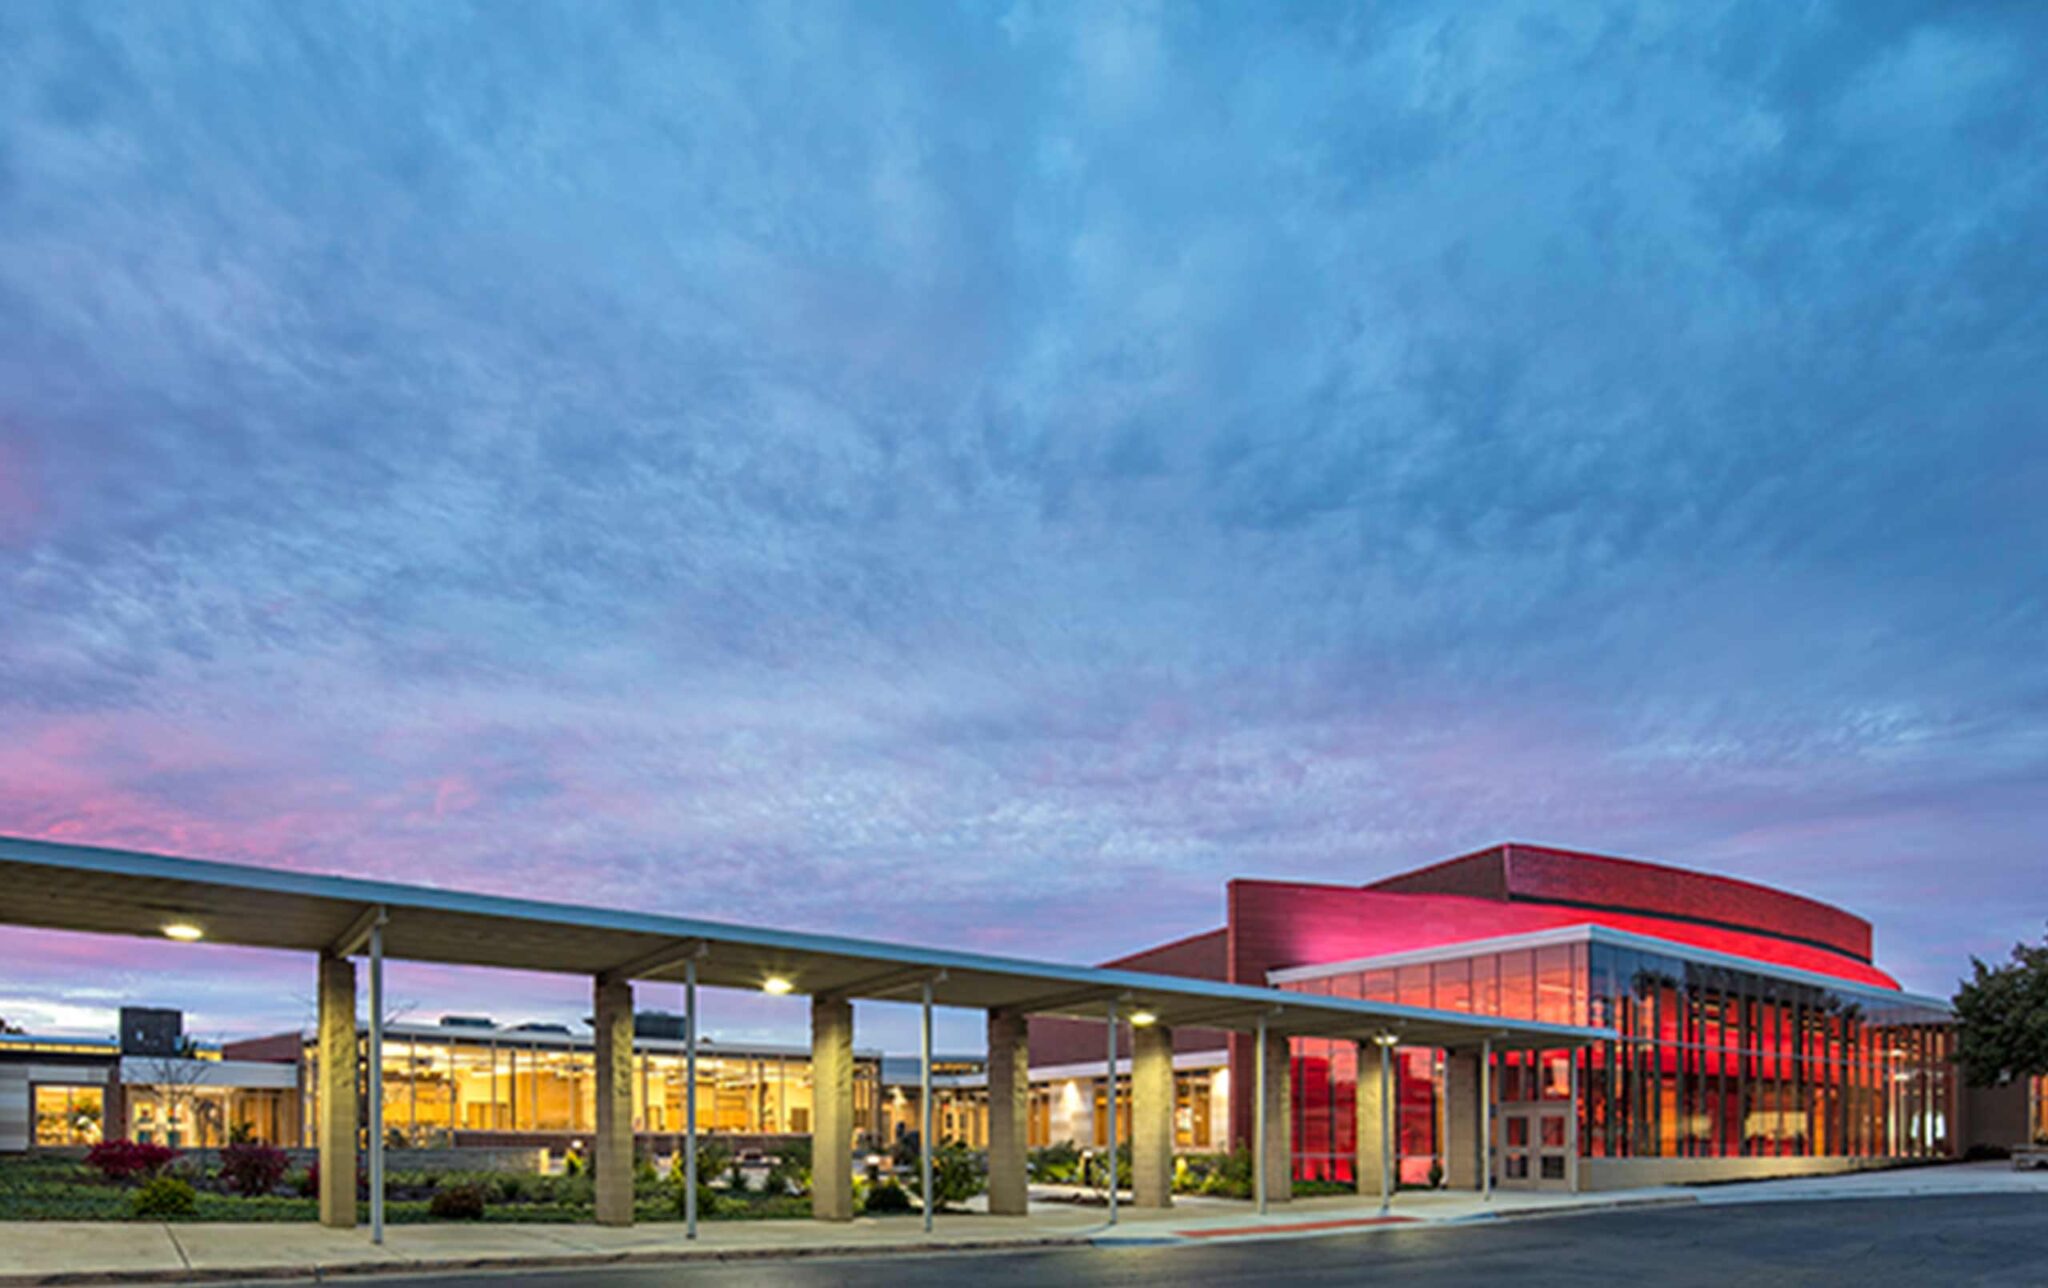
(1009, 1111)
(1461, 1120)
(1368, 1118)
(1279, 1119)
(832, 1109)
(114, 1109)
(613, 1144)
(1152, 1116)
(337, 989)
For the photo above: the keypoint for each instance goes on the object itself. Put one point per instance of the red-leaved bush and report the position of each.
(251, 1169)
(124, 1160)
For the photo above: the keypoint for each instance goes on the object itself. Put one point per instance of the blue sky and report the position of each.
(989, 473)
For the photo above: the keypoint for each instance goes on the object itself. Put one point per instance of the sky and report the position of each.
(987, 474)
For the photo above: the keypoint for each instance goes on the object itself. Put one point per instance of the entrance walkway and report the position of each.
(85, 1252)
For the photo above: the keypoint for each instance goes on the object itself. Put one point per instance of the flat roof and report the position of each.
(1592, 932)
(125, 892)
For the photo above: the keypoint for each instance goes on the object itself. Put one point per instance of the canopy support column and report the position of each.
(614, 1140)
(1386, 1045)
(1367, 1124)
(1009, 1113)
(1463, 1120)
(337, 1092)
(1152, 1116)
(832, 1109)
(1276, 1114)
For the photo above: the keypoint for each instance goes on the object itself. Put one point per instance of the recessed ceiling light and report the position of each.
(183, 931)
(777, 985)
(1143, 1019)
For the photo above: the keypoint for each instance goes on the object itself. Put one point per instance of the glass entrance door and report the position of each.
(1534, 1147)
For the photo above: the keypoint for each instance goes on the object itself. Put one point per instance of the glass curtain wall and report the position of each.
(1713, 1061)
(437, 1086)
(69, 1115)
(1717, 1062)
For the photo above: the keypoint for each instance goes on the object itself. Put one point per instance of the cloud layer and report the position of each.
(989, 474)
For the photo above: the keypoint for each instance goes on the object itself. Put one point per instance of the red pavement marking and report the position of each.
(1289, 1229)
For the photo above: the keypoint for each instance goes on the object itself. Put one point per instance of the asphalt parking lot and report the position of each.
(1997, 1239)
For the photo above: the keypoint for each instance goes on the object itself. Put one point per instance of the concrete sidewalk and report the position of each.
(104, 1252)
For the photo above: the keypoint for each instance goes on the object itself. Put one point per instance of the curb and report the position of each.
(1577, 1209)
(559, 1261)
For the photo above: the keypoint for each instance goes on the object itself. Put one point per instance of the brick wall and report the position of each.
(1056, 1041)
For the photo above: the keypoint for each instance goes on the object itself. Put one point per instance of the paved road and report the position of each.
(1991, 1239)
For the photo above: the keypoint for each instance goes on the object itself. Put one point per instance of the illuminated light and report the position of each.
(777, 985)
(184, 932)
(1143, 1019)
(1387, 1039)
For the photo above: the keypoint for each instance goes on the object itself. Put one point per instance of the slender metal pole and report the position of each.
(377, 1080)
(1572, 1123)
(1259, 1115)
(1111, 1098)
(924, 1140)
(690, 1098)
(1486, 1118)
(1386, 1126)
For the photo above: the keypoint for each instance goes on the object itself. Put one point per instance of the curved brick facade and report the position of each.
(1509, 889)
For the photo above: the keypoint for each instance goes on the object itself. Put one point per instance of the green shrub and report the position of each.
(165, 1196)
(707, 1198)
(1095, 1168)
(457, 1203)
(958, 1174)
(884, 1197)
(1226, 1175)
(713, 1157)
(1058, 1163)
(791, 1172)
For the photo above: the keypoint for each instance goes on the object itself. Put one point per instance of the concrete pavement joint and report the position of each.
(176, 1246)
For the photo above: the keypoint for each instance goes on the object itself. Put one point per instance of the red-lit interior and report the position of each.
(1504, 891)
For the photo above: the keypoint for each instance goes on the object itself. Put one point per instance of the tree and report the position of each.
(2002, 1017)
(173, 1082)
(7, 1026)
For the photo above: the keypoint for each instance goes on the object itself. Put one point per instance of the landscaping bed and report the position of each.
(120, 1181)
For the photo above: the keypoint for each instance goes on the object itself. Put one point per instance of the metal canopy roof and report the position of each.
(122, 892)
